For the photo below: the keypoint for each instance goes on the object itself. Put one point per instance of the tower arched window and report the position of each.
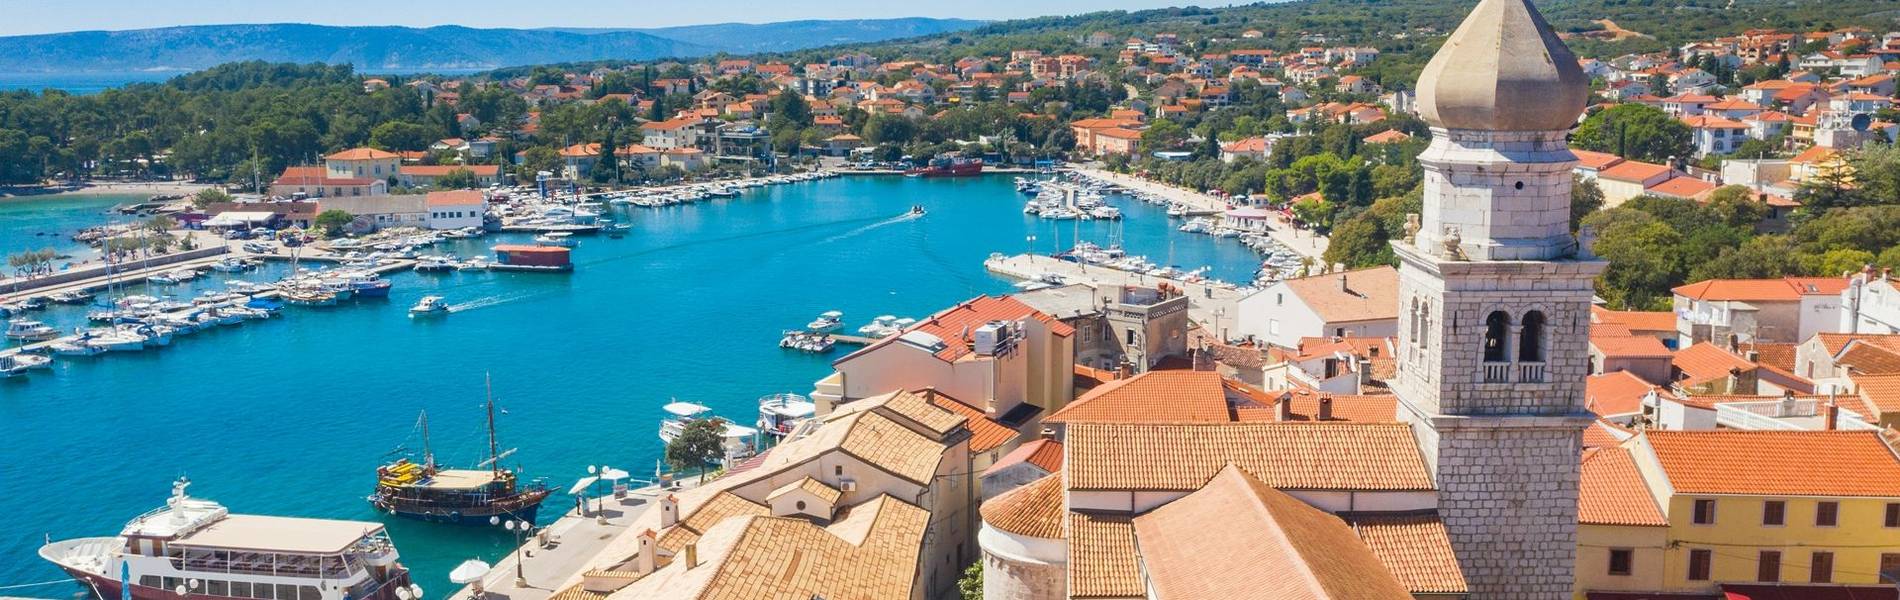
(1530, 340)
(1425, 325)
(1418, 323)
(1497, 332)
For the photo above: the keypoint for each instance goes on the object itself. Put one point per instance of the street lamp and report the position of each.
(521, 529)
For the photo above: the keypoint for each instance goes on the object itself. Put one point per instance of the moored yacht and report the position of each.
(28, 330)
(739, 439)
(779, 414)
(196, 548)
(827, 321)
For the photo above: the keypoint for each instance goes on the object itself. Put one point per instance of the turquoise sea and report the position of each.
(291, 416)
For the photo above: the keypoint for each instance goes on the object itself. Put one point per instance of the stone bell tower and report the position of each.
(1495, 301)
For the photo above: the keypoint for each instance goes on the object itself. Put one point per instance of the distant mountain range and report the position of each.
(442, 48)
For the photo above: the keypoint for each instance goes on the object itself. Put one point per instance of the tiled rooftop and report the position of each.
(1612, 491)
(1415, 548)
(1312, 456)
(1777, 463)
(1035, 509)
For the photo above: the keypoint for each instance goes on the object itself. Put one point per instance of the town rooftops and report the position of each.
(1634, 171)
(1269, 540)
(362, 154)
(1045, 453)
(1035, 509)
(1616, 393)
(954, 325)
(1761, 290)
(1777, 463)
(1365, 295)
(1705, 362)
(1388, 136)
(440, 170)
(1685, 187)
(1303, 456)
(1189, 396)
(456, 198)
(1612, 492)
(1637, 321)
(871, 552)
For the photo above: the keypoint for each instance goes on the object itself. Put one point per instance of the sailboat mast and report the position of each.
(493, 451)
(428, 454)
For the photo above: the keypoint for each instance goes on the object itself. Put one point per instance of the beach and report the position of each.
(155, 188)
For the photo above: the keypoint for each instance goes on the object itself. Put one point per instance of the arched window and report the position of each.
(1497, 328)
(1418, 323)
(1425, 324)
(1530, 341)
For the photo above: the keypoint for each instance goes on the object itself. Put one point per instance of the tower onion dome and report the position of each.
(1503, 70)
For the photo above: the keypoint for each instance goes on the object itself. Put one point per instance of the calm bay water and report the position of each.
(291, 416)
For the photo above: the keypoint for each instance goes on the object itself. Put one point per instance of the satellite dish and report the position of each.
(1861, 122)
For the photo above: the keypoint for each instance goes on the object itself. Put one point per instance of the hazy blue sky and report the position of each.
(47, 16)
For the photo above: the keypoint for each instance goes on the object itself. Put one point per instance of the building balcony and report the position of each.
(1497, 372)
(1530, 372)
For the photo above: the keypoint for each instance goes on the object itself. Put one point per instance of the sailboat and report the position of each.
(427, 492)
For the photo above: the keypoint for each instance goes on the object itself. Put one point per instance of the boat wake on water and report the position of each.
(861, 230)
(721, 240)
(491, 301)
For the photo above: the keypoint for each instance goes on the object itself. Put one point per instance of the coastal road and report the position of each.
(575, 541)
(1214, 307)
(1302, 242)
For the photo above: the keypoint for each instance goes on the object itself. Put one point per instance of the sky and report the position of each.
(51, 16)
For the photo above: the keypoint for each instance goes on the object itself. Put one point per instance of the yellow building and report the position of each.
(1800, 507)
(362, 163)
(1622, 535)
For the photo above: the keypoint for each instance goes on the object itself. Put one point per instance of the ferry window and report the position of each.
(1620, 559)
(1698, 565)
(240, 589)
(150, 581)
(217, 587)
(172, 583)
(286, 592)
(1826, 513)
(1773, 512)
(309, 592)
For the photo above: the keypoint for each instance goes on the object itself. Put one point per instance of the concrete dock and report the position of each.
(1304, 243)
(572, 543)
(1213, 306)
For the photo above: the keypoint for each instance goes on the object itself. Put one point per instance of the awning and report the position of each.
(236, 218)
(613, 474)
(582, 485)
(1770, 591)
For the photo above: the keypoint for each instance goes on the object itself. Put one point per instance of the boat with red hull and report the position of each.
(948, 167)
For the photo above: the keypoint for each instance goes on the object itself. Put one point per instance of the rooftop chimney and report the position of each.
(1325, 407)
(1343, 286)
(1283, 407)
(1833, 414)
(669, 511)
(645, 560)
(692, 555)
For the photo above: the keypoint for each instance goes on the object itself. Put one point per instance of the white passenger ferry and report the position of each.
(195, 548)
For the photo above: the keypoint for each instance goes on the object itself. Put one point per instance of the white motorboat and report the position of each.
(780, 414)
(429, 306)
(434, 264)
(1105, 212)
(883, 326)
(28, 330)
(827, 321)
(16, 365)
(740, 440)
(556, 238)
(117, 340)
(192, 547)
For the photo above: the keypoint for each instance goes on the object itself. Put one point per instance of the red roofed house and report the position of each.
(1256, 148)
(1682, 187)
(425, 175)
(1629, 179)
(315, 182)
(1786, 310)
(1030, 461)
(996, 353)
(362, 163)
(1622, 535)
(1362, 303)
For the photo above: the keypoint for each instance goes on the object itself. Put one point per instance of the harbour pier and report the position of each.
(565, 547)
(1212, 306)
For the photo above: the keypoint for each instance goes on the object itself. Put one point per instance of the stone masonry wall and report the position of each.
(1010, 580)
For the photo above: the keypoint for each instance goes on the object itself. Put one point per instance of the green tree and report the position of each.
(459, 178)
(1838, 261)
(398, 135)
(1635, 131)
(537, 159)
(209, 196)
(1359, 242)
(331, 222)
(1585, 198)
(699, 445)
(970, 587)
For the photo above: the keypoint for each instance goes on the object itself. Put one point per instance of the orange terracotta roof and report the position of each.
(455, 198)
(1880, 392)
(1869, 358)
(1744, 290)
(1595, 160)
(1316, 456)
(1103, 562)
(1681, 187)
(1269, 541)
(1777, 463)
(1045, 453)
(1612, 492)
(1636, 320)
(1388, 136)
(1816, 154)
(1633, 171)
(1629, 346)
(1602, 434)
(440, 170)
(1707, 362)
(1779, 356)
(1617, 393)
(1836, 342)
(1035, 509)
(985, 433)
(362, 154)
(1152, 397)
(1414, 548)
(955, 324)
(1368, 295)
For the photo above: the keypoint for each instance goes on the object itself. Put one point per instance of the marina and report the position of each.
(744, 269)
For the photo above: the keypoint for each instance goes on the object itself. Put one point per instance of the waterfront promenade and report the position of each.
(1302, 242)
(571, 543)
(1213, 306)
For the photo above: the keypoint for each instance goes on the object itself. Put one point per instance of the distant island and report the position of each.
(444, 48)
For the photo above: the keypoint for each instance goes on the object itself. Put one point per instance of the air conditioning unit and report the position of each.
(847, 485)
(991, 338)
